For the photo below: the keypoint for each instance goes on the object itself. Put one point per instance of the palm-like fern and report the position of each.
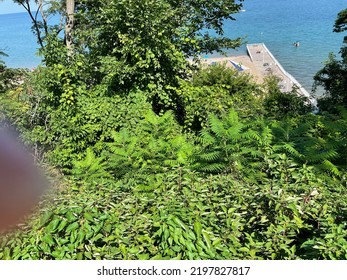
(154, 144)
(308, 142)
(290, 139)
(228, 146)
(91, 167)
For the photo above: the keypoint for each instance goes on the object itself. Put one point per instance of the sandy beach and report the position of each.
(260, 63)
(242, 60)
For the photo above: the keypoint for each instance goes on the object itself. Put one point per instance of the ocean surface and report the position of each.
(17, 41)
(277, 23)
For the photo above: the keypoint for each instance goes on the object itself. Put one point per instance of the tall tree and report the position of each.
(333, 76)
(141, 43)
(70, 20)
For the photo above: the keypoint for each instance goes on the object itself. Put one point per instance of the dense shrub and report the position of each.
(281, 105)
(164, 161)
(61, 131)
(180, 214)
(217, 89)
(159, 208)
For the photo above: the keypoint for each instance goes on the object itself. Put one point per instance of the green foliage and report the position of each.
(165, 160)
(226, 145)
(63, 123)
(2, 63)
(317, 142)
(341, 21)
(90, 168)
(145, 44)
(154, 145)
(185, 22)
(131, 52)
(280, 105)
(180, 214)
(246, 150)
(333, 79)
(9, 77)
(215, 90)
(333, 76)
(133, 195)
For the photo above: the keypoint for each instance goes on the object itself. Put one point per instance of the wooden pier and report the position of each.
(266, 64)
(260, 63)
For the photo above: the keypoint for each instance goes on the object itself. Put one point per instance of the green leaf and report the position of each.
(72, 227)
(198, 229)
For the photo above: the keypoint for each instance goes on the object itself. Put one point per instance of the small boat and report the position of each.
(243, 10)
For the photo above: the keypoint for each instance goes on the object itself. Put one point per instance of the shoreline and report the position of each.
(260, 63)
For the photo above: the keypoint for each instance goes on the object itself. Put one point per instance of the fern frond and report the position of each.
(90, 167)
(206, 138)
(251, 134)
(233, 117)
(167, 118)
(266, 136)
(318, 153)
(234, 132)
(252, 152)
(288, 148)
(211, 167)
(217, 126)
(210, 156)
(151, 118)
(330, 167)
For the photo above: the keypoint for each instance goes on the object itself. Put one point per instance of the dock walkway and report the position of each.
(265, 63)
(260, 63)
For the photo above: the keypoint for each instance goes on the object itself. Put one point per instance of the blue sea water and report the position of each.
(17, 41)
(277, 23)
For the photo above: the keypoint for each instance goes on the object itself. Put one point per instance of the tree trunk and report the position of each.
(70, 19)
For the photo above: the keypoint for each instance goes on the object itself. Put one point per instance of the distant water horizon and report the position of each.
(276, 23)
(280, 23)
(18, 41)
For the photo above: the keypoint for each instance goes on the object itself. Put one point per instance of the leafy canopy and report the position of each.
(333, 76)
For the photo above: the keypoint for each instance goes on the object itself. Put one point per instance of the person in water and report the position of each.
(296, 44)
